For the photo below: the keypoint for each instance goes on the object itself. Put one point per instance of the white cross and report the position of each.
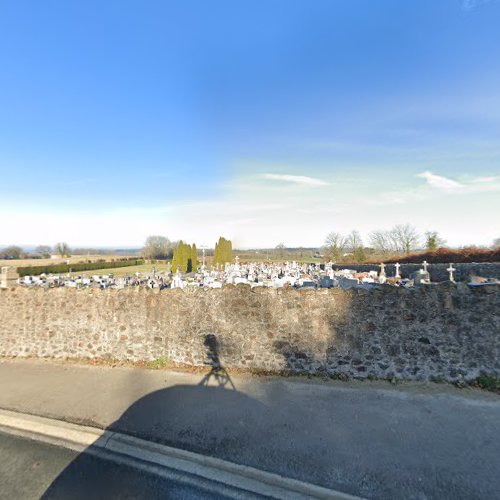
(397, 266)
(382, 269)
(425, 264)
(451, 270)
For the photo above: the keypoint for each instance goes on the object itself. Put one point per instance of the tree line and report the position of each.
(401, 239)
(14, 252)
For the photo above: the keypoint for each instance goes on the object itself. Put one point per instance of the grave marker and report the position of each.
(382, 269)
(397, 266)
(451, 270)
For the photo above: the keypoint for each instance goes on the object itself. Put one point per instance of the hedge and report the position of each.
(75, 268)
(447, 255)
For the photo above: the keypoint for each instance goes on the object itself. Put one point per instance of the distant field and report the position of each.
(52, 262)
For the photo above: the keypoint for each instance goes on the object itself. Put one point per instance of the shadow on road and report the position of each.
(185, 416)
(218, 372)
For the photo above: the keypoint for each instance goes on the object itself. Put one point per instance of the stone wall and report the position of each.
(442, 331)
(438, 272)
(8, 276)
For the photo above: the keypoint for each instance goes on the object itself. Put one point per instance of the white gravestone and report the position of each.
(397, 266)
(451, 270)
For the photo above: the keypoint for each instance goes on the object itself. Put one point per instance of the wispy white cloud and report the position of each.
(440, 182)
(466, 186)
(296, 179)
(255, 214)
(473, 4)
(480, 180)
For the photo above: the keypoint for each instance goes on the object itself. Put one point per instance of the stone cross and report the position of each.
(397, 266)
(425, 264)
(382, 269)
(451, 270)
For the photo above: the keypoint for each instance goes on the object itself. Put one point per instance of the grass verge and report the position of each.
(488, 383)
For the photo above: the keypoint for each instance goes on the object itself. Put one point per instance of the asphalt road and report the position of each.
(375, 440)
(33, 470)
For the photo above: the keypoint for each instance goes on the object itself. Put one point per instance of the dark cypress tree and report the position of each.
(179, 255)
(189, 260)
(223, 251)
(194, 258)
(175, 259)
(216, 255)
(186, 251)
(229, 251)
(222, 245)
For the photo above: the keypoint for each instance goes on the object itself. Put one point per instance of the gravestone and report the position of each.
(421, 277)
(308, 283)
(325, 282)
(382, 269)
(451, 270)
(346, 283)
(397, 266)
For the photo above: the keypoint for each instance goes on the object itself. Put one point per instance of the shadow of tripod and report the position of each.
(218, 371)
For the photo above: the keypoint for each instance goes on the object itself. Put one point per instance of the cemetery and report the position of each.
(389, 321)
(275, 275)
(315, 321)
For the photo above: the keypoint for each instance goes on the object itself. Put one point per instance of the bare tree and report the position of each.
(12, 252)
(354, 244)
(62, 249)
(405, 237)
(382, 241)
(353, 241)
(335, 245)
(157, 247)
(280, 250)
(43, 250)
(496, 243)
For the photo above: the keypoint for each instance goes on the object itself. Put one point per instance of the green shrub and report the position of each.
(158, 363)
(489, 383)
(76, 268)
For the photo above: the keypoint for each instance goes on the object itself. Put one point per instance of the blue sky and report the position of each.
(263, 121)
